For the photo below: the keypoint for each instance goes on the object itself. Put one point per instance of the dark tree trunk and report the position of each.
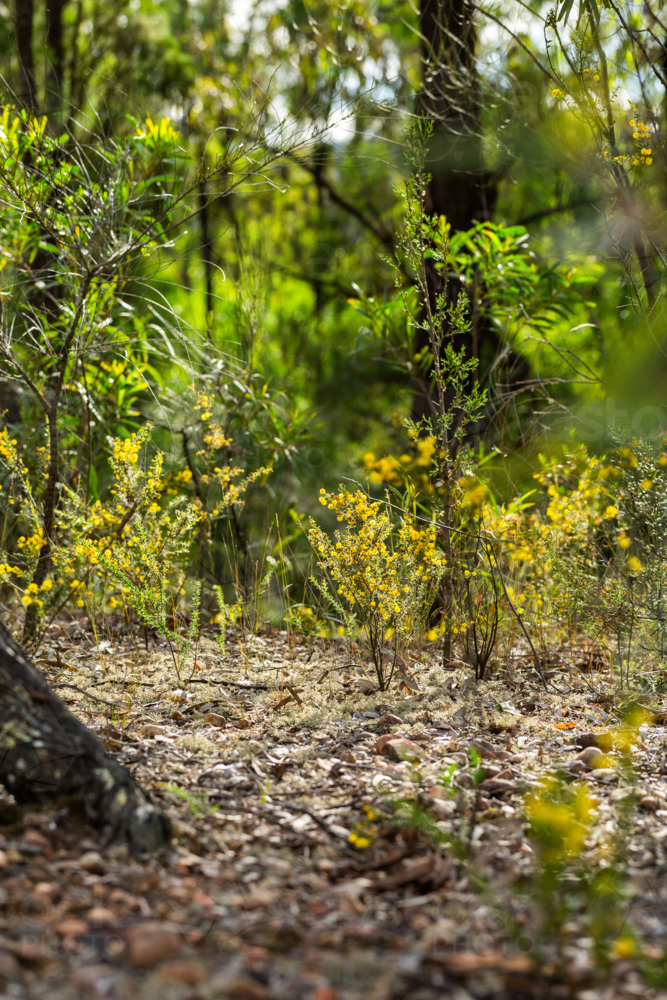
(460, 188)
(47, 755)
(450, 97)
(56, 51)
(207, 248)
(23, 19)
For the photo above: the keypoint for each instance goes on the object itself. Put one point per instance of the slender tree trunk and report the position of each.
(23, 21)
(459, 188)
(56, 52)
(47, 755)
(450, 97)
(206, 248)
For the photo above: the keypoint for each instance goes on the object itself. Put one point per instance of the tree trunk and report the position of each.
(459, 188)
(207, 250)
(47, 754)
(23, 20)
(450, 97)
(56, 53)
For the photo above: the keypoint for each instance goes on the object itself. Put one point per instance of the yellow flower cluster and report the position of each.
(127, 450)
(412, 467)
(160, 132)
(33, 543)
(560, 819)
(215, 438)
(385, 575)
(8, 449)
(365, 830)
(643, 155)
(204, 402)
(642, 133)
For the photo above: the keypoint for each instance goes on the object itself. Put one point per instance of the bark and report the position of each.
(450, 97)
(56, 51)
(23, 21)
(460, 190)
(47, 755)
(206, 248)
(459, 187)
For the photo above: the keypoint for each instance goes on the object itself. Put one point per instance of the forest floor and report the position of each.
(267, 760)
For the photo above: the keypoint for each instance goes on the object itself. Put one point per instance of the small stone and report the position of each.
(99, 916)
(191, 973)
(401, 749)
(245, 988)
(651, 802)
(219, 721)
(92, 862)
(496, 786)
(257, 900)
(325, 992)
(71, 927)
(443, 808)
(4, 860)
(382, 741)
(37, 839)
(150, 943)
(151, 729)
(390, 720)
(9, 968)
(483, 748)
(593, 757)
(94, 979)
(603, 741)
(33, 952)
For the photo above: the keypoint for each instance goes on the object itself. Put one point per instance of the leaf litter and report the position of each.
(289, 876)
